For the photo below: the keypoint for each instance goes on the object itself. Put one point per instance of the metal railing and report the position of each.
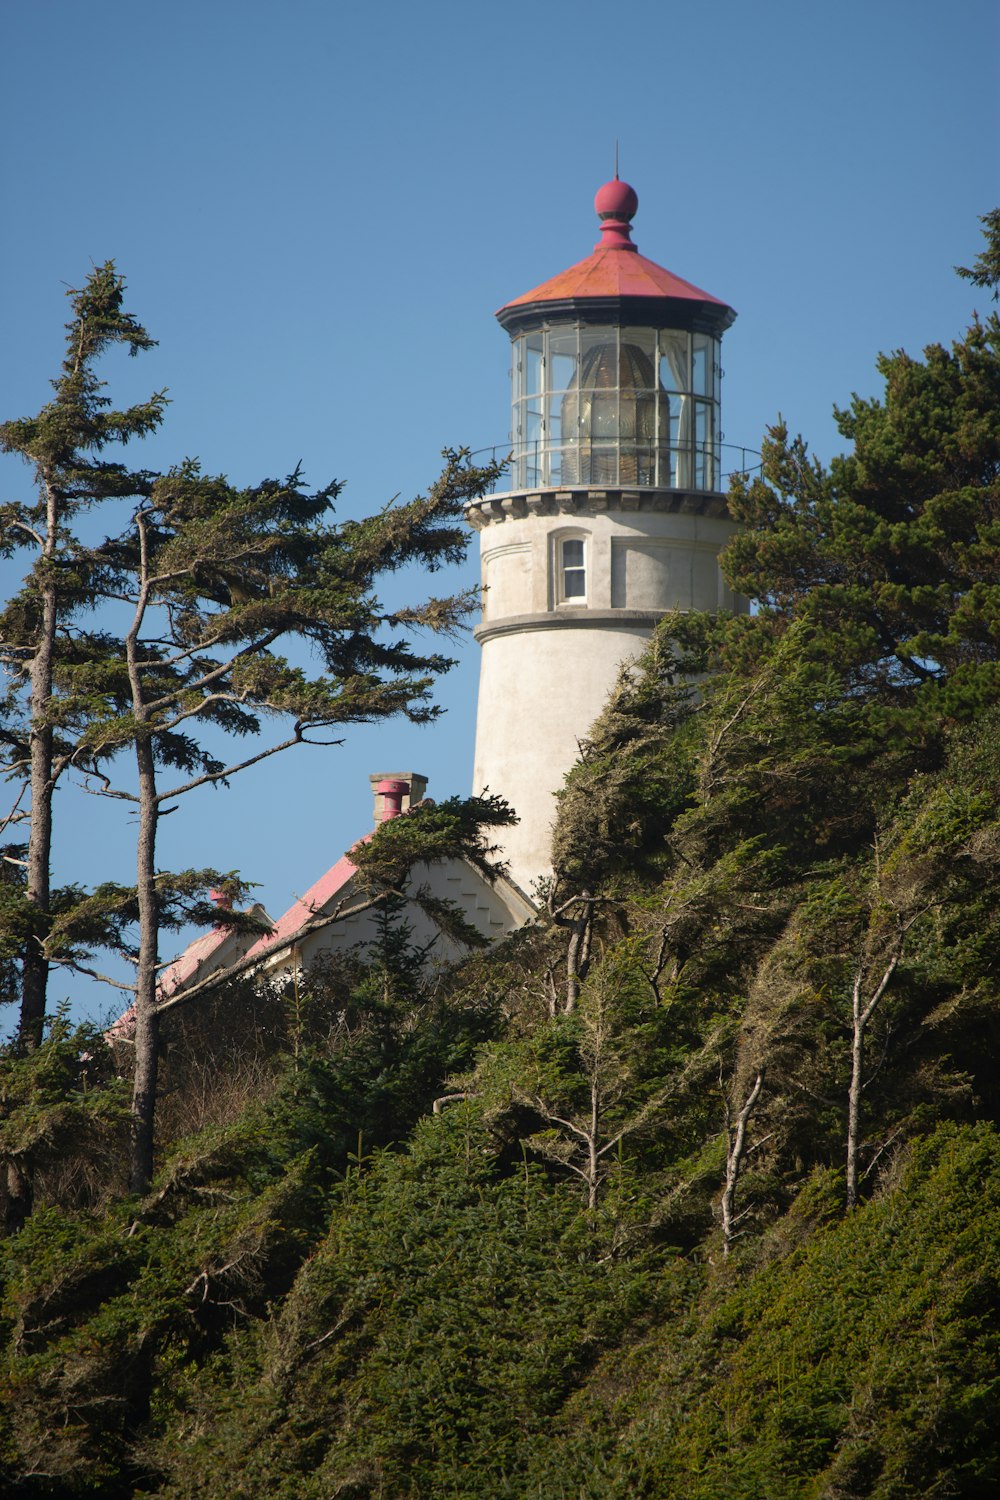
(625, 464)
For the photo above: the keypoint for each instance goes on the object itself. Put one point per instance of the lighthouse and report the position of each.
(615, 512)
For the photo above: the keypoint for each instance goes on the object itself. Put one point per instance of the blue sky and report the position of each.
(318, 208)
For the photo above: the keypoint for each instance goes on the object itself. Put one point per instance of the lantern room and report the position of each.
(616, 370)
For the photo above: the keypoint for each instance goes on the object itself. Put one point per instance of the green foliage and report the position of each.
(394, 859)
(62, 1122)
(426, 1345)
(42, 637)
(986, 270)
(218, 577)
(463, 1240)
(889, 558)
(107, 915)
(862, 1365)
(65, 440)
(624, 789)
(612, 1096)
(111, 1310)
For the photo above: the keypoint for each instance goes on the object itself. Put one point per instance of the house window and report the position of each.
(572, 571)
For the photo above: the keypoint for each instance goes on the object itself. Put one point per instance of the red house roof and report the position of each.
(194, 955)
(306, 907)
(175, 976)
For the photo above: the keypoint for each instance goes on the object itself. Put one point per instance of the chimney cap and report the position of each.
(395, 792)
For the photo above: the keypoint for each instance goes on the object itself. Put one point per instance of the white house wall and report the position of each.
(492, 910)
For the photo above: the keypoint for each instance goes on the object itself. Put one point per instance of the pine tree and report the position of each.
(216, 582)
(890, 556)
(39, 628)
(220, 582)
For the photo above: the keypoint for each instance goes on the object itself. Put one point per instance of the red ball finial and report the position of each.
(616, 200)
(615, 205)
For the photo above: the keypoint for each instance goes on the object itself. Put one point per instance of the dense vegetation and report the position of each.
(693, 1189)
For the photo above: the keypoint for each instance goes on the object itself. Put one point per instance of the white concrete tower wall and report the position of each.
(548, 664)
(615, 516)
(549, 701)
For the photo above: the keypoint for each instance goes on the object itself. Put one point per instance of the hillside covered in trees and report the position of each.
(690, 1190)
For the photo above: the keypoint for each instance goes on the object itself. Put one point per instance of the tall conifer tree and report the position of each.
(66, 446)
(220, 582)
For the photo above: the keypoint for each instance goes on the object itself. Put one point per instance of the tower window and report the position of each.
(572, 570)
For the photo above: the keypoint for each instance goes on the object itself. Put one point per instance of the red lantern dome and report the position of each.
(627, 284)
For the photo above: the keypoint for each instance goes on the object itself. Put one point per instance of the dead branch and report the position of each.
(461, 1096)
(736, 1139)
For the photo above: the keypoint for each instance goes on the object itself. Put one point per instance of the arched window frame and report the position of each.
(569, 569)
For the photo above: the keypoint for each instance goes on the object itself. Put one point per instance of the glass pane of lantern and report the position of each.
(562, 359)
(533, 363)
(681, 440)
(675, 374)
(604, 463)
(566, 464)
(638, 357)
(636, 463)
(704, 446)
(703, 364)
(602, 410)
(598, 357)
(637, 411)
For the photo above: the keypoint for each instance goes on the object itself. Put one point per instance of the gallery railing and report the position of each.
(623, 463)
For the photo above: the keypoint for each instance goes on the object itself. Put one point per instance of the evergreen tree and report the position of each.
(891, 557)
(212, 583)
(39, 628)
(219, 583)
(985, 271)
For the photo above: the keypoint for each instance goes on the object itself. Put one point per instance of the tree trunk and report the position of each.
(35, 968)
(578, 953)
(860, 1016)
(147, 1021)
(593, 1154)
(854, 1092)
(18, 1197)
(734, 1160)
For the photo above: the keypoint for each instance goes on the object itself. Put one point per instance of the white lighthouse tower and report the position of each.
(615, 512)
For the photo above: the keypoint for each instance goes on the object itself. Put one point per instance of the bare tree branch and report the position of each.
(736, 1139)
(298, 738)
